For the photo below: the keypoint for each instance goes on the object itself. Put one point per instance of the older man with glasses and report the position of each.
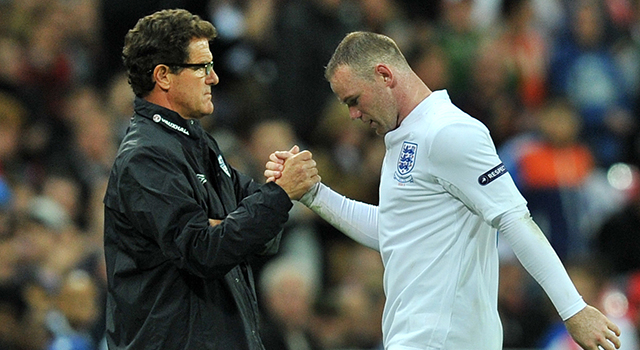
(180, 223)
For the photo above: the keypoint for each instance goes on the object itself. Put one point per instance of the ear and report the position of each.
(162, 77)
(384, 73)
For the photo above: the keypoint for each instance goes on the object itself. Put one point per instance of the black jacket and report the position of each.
(174, 282)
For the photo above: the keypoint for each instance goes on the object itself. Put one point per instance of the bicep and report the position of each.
(466, 163)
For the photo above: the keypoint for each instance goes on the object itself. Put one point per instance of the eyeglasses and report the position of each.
(208, 67)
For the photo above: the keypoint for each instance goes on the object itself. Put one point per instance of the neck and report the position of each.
(160, 98)
(414, 93)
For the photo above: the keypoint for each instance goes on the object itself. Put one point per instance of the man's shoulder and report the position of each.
(144, 154)
(143, 137)
(140, 153)
(455, 121)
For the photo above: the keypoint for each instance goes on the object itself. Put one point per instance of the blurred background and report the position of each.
(557, 82)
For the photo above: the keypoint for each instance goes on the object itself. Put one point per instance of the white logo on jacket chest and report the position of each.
(406, 162)
(201, 178)
(223, 166)
(158, 118)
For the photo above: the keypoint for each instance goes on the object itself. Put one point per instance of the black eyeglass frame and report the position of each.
(208, 67)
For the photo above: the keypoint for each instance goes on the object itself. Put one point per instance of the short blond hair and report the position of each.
(361, 51)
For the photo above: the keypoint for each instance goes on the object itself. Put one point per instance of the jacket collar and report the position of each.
(166, 118)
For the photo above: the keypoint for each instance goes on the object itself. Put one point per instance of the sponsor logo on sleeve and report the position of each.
(492, 174)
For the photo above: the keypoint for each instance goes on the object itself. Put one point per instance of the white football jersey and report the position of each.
(442, 184)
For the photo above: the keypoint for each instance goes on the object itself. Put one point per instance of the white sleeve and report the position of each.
(538, 257)
(355, 219)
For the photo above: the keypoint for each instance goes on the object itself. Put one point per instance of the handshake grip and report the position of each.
(292, 170)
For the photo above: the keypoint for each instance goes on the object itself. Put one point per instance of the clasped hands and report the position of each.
(293, 170)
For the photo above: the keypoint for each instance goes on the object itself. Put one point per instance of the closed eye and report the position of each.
(352, 101)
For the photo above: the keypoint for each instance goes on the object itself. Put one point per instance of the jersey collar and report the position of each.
(166, 118)
(426, 105)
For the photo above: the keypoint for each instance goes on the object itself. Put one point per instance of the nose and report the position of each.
(212, 79)
(354, 113)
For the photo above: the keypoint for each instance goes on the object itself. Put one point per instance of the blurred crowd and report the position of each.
(557, 82)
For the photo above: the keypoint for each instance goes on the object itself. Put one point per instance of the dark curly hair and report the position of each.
(162, 37)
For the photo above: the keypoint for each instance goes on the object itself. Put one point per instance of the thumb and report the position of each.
(295, 149)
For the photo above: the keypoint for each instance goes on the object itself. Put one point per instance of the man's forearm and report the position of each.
(538, 257)
(355, 219)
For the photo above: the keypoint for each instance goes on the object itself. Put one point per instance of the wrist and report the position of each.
(310, 195)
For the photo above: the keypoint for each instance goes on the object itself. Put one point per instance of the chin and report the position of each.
(208, 110)
(381, 131)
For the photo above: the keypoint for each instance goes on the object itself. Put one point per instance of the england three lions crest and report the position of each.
(406, 162)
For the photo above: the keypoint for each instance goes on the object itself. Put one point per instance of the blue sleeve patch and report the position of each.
(492, 174)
